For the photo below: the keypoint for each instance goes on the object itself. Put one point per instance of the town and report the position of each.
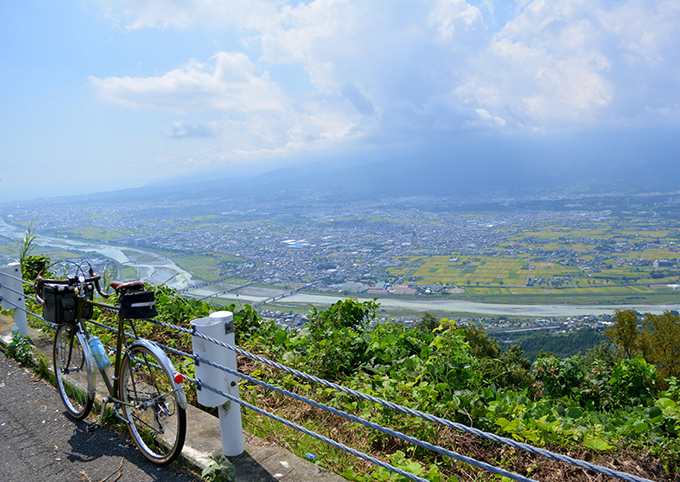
(400, 246)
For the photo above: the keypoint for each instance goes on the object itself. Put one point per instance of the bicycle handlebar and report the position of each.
(40, 281)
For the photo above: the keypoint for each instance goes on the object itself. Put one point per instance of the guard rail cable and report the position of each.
(415, 413)
(400, 408)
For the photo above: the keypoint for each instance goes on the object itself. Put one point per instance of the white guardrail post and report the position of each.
(220, 326)
(10, 289)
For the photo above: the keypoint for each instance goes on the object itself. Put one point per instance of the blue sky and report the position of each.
(103, 95)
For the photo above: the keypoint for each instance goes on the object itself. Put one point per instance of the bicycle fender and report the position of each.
(91, 363)
(167, 365)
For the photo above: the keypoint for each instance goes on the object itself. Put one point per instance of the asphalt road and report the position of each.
(40, 442)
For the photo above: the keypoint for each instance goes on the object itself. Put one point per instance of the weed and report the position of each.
(21, 349)
(220, 470)
(42, 366)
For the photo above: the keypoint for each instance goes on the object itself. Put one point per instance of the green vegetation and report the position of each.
(596, 406)
(220, 470)
(91, 233)
(207, 266)
(498, 269)
(654, 337)
(21, 349)
(562, 345)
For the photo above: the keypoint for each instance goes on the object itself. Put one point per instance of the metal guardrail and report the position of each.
(400, 408)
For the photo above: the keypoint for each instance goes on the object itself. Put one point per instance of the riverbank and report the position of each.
(449, 306)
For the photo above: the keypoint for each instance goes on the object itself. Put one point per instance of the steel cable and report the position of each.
(416, 413)
(408, 411)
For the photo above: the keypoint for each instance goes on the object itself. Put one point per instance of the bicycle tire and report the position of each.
(71, 369)
(156, 421)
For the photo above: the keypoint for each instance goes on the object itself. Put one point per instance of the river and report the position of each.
(460, 306)
(151, 267)
(157, 269)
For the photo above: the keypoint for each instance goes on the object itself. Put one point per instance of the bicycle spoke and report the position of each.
(71, 371)
(157, 423)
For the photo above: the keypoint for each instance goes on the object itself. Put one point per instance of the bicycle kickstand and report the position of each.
(91, 427)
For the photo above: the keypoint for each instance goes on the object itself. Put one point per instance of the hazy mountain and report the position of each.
(590, 165)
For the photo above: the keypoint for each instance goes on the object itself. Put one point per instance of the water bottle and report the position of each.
(99, 353)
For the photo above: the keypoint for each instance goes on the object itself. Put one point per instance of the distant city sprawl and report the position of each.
(599, 248)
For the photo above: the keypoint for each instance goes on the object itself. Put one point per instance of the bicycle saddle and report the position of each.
(123, 287)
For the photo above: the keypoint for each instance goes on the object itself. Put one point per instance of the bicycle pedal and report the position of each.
(92, 426)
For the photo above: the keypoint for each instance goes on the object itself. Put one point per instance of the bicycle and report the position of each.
(144, 388)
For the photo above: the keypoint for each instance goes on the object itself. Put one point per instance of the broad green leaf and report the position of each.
(665, 403)
(596, 443)
(574, 412)
(280, 336)
(655, 414)
(502, 422)
(641, 426)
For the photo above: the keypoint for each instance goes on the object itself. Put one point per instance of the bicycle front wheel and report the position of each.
(71, 370)
(156, 421)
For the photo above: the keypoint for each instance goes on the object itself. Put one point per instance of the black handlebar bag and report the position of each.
(61, 303)
(138, 305)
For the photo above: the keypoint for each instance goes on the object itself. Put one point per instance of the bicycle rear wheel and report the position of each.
(71, 369)
(157, 423)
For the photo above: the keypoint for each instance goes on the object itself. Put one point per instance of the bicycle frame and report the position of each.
(112, 383)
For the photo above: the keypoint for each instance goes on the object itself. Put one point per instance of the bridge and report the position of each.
(216, 294)
(281, 296)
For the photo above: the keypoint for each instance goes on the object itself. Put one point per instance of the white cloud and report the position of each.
(134, 15)
(230, 85)
(324, 36)
(451, 15)
(385, 70)
(353, 94)
(258, 119)
(202, 129)
(570, 64)
(485, 116)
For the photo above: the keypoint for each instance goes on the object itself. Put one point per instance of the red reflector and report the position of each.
(179, 378)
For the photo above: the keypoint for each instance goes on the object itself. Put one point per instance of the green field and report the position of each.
(206, 266)
(596, 262)
(514, 271)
